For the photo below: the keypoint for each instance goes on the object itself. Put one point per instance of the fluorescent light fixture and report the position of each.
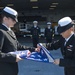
(35, 7)
(10, 4)
(52, 6)
(33, 0)
(55, 3)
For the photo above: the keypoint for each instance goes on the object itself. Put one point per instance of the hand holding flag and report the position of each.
(56, 61)
(42, 56)
(49, 56)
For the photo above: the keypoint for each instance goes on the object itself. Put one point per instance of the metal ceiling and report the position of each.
(26, 5)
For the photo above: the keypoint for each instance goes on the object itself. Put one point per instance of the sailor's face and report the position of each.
(11, 22)
(35, 24)
(49, 26)
(66, 33)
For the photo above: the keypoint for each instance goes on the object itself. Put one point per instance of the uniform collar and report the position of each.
(6, 27)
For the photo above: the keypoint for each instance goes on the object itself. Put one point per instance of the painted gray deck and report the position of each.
(28, 67)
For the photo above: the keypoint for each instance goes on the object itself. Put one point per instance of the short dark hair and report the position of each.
(2, 16)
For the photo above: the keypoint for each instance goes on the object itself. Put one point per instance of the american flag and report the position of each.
(43, 56)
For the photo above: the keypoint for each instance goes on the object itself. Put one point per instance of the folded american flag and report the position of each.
(43, 56)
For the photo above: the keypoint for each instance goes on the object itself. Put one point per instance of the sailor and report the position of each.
(35, 32)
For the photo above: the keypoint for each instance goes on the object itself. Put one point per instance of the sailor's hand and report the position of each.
(28, 53)
(18, 58)
(38, 48)
(57, 61)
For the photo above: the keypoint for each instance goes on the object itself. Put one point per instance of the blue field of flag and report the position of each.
(43, 56)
